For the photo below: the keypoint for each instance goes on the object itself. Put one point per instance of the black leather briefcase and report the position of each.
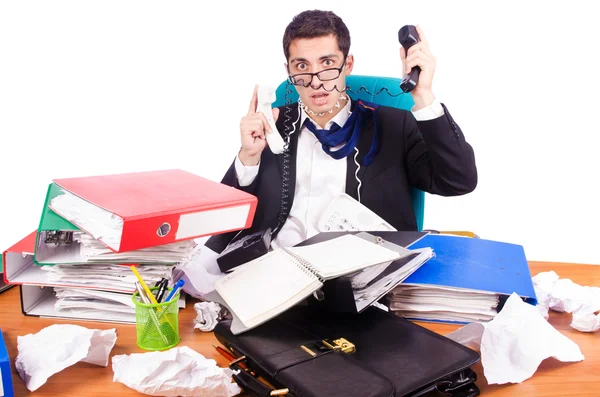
(309, 353)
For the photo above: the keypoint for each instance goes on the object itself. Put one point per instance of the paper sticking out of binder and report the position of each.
(61, 242)
(469, 279)
(138, 210)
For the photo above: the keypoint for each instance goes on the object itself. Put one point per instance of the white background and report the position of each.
(101, 87)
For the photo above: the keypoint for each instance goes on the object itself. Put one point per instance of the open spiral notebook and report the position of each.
(271, 284)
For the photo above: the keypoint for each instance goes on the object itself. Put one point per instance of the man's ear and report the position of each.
(349, 64)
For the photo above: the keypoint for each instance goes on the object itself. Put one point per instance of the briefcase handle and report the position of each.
(252, 385)
(461, 384)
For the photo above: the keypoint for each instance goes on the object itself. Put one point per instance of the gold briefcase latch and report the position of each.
(340, 344)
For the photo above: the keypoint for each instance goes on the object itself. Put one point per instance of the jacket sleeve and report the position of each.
(230, 178)
(438, 158)
(219, 242)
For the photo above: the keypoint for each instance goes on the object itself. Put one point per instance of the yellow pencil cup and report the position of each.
(156, 325)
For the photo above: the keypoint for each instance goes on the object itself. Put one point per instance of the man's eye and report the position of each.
(328, 62)
(301, 66)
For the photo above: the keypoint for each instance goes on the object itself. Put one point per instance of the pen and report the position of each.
(142, 293)
(174, 290)
(162, 289)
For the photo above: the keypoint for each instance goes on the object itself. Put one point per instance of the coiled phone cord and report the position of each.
(285, 174)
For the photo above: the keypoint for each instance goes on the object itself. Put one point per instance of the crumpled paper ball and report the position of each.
(208, 315)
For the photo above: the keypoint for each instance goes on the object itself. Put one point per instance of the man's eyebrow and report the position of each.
(298, 59)
(328, 56)
(321, 58)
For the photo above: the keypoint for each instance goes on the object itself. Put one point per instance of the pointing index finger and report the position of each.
(253, 101)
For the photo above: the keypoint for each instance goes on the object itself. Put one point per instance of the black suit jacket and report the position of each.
(430, 155)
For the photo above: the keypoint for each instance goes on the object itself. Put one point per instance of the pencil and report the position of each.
(229, 356)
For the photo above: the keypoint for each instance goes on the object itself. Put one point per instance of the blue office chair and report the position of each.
(366, 88)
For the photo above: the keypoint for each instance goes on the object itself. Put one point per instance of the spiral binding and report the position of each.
(304, 265)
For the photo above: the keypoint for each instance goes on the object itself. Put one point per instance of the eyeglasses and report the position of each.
(305, 79)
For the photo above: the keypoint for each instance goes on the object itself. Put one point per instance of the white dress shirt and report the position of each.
(319, 177)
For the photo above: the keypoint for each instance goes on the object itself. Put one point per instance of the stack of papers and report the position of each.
(371, 283)
(89, 303)
(94, 251)
(443, 303)
(79, 301)
(100, 235)
(79, 247)
(467, 280)
(106, 276)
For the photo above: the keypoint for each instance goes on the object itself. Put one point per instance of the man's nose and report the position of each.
(312, 79)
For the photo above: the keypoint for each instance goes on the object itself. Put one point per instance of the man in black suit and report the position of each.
(372, 153)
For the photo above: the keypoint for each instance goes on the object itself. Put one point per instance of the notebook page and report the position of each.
(343, 255)
(265, 285)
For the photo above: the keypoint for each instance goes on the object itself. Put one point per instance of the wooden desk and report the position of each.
(552, 378)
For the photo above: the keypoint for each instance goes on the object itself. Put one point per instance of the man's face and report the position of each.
(313, 56)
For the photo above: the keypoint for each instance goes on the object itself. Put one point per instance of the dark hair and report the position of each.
(316, 23)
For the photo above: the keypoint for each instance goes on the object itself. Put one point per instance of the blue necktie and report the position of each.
(348, 134)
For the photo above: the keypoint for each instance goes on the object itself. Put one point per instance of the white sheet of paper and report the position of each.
(515, 342)
(179, 371)
(59, 346)
(201, 272)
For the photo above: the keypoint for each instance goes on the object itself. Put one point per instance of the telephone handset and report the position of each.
(408, 36)
(266, 96)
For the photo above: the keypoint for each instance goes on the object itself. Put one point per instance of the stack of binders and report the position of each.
(92, 230)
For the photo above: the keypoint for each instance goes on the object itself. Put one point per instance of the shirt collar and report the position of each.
(339, 119)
